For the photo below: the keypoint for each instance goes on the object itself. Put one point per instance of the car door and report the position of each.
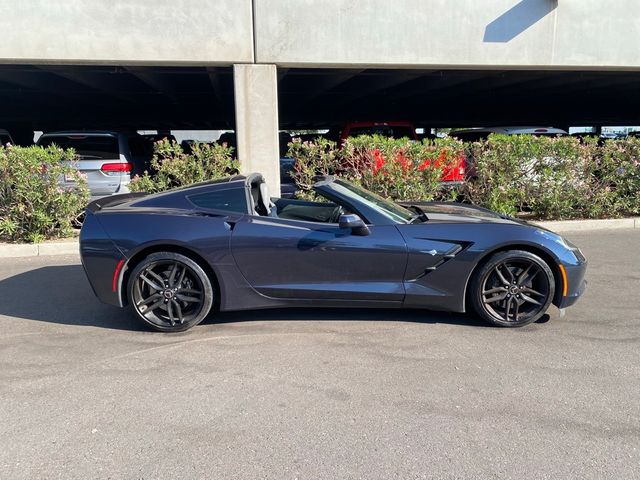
(293, 259)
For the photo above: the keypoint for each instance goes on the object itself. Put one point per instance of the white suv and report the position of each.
(106, 158)
(475, 134)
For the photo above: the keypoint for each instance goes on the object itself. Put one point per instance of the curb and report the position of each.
(578, 226)
(17, 250)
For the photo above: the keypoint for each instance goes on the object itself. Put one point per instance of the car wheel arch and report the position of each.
(173, 248)
(544, 254)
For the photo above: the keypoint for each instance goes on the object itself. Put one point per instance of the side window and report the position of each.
(231, 200)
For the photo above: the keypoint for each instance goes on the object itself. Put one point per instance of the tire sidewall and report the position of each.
(208, 292)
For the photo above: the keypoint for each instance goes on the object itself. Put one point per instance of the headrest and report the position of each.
(265, 199)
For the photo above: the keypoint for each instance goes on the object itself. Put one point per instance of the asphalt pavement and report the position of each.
(85, 392)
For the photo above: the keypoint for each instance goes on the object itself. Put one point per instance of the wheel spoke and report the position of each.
(503, 279)
(494, 290)
(172, 275)
(529, 278)
(531, 291)
(515, 314)
(157, 277)
(151, 283)
(497, 298)
(150, 299)
(527, 298)
(524, 273)
(178, 311)
(154, 306)
(182, 274)
(170, 312)
(187, 299)
(508, 308)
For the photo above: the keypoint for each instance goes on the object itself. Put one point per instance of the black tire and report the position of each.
(184, 298)
(512, 288)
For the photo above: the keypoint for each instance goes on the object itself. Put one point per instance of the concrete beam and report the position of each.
(546, 34)
(256, 97)
(132, 32)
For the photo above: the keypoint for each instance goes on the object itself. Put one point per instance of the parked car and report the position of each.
(475, 134)
(386, 129)
(175, 255)
(157, 137)
(5, 137)
(451, 173)
(108, 159)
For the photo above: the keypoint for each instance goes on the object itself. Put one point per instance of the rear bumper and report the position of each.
(102, 261)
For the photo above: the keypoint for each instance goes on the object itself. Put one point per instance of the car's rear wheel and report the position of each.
(170, 292)
(513, 288)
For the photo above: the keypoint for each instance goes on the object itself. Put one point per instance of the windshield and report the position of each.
(389, 209)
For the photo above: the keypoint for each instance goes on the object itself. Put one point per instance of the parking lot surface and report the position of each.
(87, 393)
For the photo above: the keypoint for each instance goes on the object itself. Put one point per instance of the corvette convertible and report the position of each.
(224, 245)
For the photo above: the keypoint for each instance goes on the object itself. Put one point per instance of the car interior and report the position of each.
(291, 209)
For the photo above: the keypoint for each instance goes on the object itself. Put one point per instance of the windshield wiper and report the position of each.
(421, 214)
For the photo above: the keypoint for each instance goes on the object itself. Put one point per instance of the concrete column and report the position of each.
(256, 97)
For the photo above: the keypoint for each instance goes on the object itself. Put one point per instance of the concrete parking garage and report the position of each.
(260, 65)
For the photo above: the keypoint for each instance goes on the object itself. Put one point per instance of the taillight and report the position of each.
(112, 168)
(116, 275)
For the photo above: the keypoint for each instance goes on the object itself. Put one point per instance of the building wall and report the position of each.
(386, 33)
(493, 33)
(126, 31)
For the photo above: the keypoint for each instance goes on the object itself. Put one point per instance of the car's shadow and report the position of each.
(62, 295)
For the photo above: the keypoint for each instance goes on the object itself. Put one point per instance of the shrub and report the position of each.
(542, 177)
(33, 205)
(396, 168)
(619, 171)
(320, 157)
(172, 167)
(547, 177)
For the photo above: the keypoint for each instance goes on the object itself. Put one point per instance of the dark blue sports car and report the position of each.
(227, 245)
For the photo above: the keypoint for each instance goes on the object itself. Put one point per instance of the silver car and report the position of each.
(5, 138)
(107, 159)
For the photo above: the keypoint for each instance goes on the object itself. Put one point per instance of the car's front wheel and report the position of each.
(170, 292)
(513, 288)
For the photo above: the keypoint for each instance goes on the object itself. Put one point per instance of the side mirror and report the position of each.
(355, 223)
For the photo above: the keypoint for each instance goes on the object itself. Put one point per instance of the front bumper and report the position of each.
(575, 284)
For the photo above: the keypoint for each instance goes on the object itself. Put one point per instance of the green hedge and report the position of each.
(397, 169)
(542, 177)
(172, 167)
(33, 206)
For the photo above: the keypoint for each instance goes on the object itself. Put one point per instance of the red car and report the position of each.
(451, 173)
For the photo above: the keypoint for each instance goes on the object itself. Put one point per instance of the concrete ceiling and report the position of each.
(47, 97)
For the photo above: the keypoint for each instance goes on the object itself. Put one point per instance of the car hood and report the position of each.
(452, 212)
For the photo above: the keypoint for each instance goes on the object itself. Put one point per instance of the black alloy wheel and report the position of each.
(170, 292)
(514, 288)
